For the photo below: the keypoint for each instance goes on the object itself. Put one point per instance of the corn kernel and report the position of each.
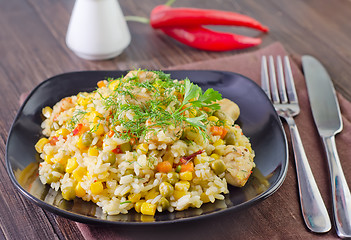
(79, 172)
(97, 128)
(96, 187)
(182, 186)
(134, 197)
(204, 198)
(94, 117)
(186, 176)
(80, 192)
(152, 194)
(48, 158)
(215, 156)
(178, 194)
(218, 142)
(39, 146)
(143, 148)
(213, 119)
(148, 209)
(80, 144)
(137, 205)
(83, 100)
(68, 193)
(192, 112)
(113, 85)
(62, 132)
(47, 112)
(71, 164)
(93, 151)
(200, 158)
(63, 160)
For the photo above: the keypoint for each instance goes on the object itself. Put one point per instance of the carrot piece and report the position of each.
(101, 84)
(188, 167)
(215, 130)
(224, 133)
(164, 167)
(219, 131)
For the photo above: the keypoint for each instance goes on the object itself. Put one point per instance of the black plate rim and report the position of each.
(96, 221)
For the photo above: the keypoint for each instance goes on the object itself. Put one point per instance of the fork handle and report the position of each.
(313, 209)
(340, 190)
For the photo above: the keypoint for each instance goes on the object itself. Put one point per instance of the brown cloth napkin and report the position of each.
(279, 216)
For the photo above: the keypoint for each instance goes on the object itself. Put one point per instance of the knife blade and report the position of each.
(327, 117)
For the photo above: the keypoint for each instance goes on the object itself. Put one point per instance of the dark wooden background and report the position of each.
(32, 49)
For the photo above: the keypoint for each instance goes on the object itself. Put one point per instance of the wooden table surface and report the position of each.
(32, 49)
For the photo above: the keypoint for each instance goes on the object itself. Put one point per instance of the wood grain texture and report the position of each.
(32, 49)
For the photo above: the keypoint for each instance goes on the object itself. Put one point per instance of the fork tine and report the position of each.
(281, 82)
(273, 80)
(290, 86)
(264, 77)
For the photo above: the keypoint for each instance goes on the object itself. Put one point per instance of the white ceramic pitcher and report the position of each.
(97, 29)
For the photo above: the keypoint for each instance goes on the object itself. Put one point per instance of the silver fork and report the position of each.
(284, 98)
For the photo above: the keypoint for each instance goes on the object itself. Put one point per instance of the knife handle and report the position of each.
(313, 209)
(340, 191)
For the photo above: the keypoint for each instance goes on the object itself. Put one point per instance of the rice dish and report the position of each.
(144, 142)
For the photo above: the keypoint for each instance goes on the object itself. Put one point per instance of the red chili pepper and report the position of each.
(206, 39)
(165, 16)
(186, 159)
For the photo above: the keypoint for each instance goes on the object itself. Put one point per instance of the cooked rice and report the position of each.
(90, 149)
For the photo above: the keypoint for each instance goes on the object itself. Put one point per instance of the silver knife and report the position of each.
(327, 117)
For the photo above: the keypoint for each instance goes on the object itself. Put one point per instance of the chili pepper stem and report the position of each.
(137, 19)
(169, 2)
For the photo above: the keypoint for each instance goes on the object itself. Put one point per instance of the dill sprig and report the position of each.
(168, 103)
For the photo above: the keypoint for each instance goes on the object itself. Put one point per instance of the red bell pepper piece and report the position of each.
(78, 129)
(164, 16)
(206, 39)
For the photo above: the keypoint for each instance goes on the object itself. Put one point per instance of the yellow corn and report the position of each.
(79, 172)
(204, 198)
(213, 119)
(188, 176)
(178, 194)
(48, 159)
(152, 194)
(80, 144)
(137, 205)
(63, 160)
(62, 132)
(47, 112)
(134, 197)
(97, 128)
(143, 148)
(218, 142)
(83, 100)
(192, 112)
(182, 186)
(94, 117)
(40, 144)
(80, 192)
(148, 209)
(68, 193)
(113, 85)
(96, 187)
(215, 156)
(93, 151)
(71, 164)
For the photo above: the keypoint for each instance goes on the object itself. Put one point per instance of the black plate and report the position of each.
(258, 120)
